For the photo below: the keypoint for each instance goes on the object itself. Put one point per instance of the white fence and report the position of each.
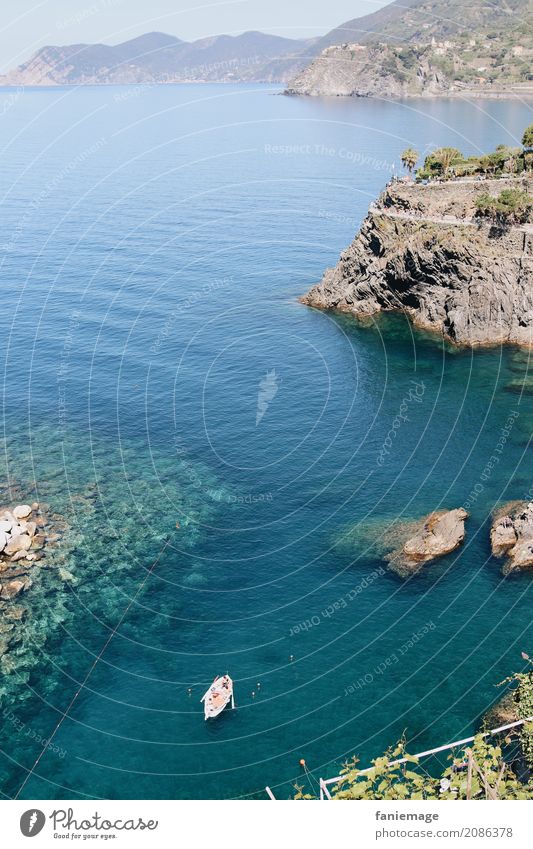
(325, 782)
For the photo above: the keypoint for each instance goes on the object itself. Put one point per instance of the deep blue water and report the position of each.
(158, 369)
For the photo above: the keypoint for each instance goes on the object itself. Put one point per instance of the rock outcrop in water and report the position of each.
(511, 536)
(436, 535)
(421, 250)
(25, 531)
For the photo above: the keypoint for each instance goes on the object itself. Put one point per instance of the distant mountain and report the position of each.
(160, 58)
(416, 48)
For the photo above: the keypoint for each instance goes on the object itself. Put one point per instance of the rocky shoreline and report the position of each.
(26, 532)
(379, 70)
(421, 250)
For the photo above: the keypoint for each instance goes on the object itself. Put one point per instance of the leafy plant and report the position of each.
(511, 205)
(477, 771)
(527, 138)
(409, 159)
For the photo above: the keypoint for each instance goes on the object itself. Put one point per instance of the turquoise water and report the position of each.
(158, 370)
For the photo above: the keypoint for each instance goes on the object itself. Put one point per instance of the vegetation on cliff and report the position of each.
(484, 769)
(447, 162)
(425, 48)
(511, 206)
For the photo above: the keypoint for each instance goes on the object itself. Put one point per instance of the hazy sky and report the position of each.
(26, 25)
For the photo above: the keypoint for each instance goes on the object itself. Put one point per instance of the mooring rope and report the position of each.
(91, 669)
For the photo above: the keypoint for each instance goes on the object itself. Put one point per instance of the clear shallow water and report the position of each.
(154, 245)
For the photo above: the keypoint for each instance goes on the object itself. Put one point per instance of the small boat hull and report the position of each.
(219, 695)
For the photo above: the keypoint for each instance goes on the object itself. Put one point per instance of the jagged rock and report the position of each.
(20, 542)
(13, 588)
(511, 535)
(503, 537)
(436, 535)
(19, 555)
(30, 528)
(421, 251)
(22, 511)
(14, 572)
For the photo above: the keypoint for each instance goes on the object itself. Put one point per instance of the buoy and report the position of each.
(253, 695)
(302, 763)
(291, 657)
(259, 686)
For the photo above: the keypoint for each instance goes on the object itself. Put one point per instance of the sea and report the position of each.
(225, 460)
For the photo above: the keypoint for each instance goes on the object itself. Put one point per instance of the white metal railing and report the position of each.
(324, 782)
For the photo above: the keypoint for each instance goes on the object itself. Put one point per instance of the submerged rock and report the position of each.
(15, 613)
(436, 535)
(15, 587)
(511, 535)
(520, 385)
(503, 712)
(66, 576)
(22, 511)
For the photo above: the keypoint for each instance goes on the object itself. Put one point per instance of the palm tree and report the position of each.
(446, 156)
(409, 159)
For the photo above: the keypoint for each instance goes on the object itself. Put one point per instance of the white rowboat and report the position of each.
(217, 697)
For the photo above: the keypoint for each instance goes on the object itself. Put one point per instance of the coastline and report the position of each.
(422, 251)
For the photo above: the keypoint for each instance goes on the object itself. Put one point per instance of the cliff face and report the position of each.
(418, 70)
(352, 70)
(420, 250)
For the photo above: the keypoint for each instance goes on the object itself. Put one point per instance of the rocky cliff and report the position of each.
(422, 251)
(414, 48)
(423, 70)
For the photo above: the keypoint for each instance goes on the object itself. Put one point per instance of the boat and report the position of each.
(217, 697)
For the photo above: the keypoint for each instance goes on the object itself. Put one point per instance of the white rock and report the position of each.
(3, 540)
(13, 588)
(22, 511)
(5, 526)
(31, 528)
(21, 542)
(20, 555)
